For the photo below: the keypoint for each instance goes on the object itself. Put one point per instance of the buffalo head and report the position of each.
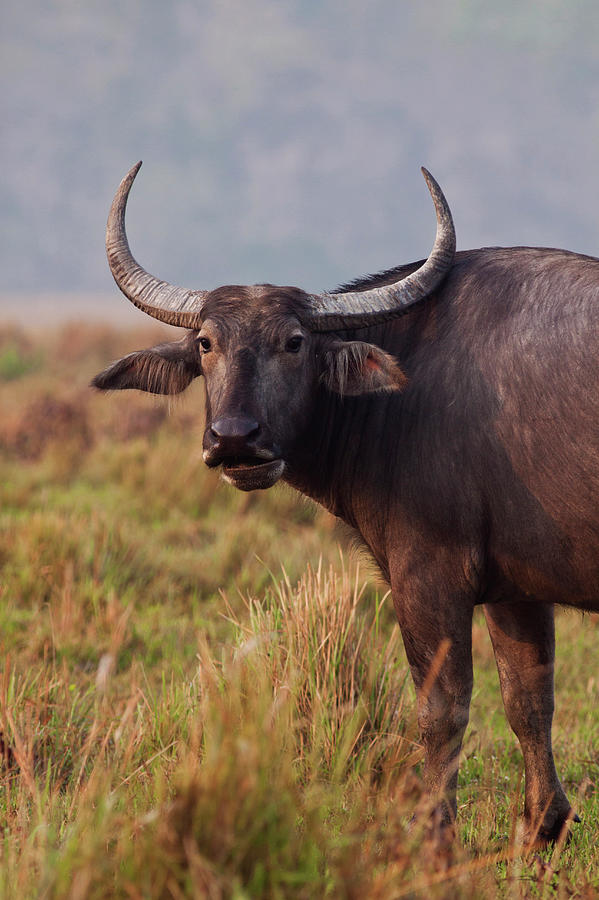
(264, 351)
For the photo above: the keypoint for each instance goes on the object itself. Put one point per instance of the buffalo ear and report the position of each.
(353, 368)
(164, 369)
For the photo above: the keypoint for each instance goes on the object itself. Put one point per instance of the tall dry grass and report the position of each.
(283, 768)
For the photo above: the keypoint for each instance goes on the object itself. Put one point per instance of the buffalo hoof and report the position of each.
(558, 831)
(436, 826)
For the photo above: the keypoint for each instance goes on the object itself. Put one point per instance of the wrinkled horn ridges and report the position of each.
(163, 301)
(360, 309)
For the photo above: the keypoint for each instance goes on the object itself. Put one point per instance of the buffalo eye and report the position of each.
(205, 344)
(294, 343)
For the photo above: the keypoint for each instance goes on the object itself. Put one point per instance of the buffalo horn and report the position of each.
(359, 309)
(171, 304)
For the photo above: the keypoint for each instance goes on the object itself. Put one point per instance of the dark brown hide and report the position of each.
(477, 483)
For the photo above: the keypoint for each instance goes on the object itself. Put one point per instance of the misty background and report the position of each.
(282, 140)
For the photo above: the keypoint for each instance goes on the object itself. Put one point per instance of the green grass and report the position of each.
(182, 717)
(18, 357)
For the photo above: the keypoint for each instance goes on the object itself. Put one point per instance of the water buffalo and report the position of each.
(448, 410)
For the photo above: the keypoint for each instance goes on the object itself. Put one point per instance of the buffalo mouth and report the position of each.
(251, 474)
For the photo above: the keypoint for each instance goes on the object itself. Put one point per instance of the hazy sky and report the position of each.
(282, 140)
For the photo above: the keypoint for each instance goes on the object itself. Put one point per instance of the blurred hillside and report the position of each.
(282, 141)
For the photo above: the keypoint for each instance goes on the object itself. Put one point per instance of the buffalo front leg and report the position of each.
(437, 635)
(523, 638)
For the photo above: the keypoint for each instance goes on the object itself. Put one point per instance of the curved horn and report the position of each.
(359, 309)
(159, 299)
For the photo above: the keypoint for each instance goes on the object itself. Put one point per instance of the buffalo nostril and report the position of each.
(235, 427)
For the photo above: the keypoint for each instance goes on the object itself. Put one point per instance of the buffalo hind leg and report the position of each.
(523, 637)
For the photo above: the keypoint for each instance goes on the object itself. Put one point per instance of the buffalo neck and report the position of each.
(348, 456)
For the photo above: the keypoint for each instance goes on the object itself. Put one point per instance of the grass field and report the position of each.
(202, 695)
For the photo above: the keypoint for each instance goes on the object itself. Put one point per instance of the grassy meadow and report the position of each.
(203, 693)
